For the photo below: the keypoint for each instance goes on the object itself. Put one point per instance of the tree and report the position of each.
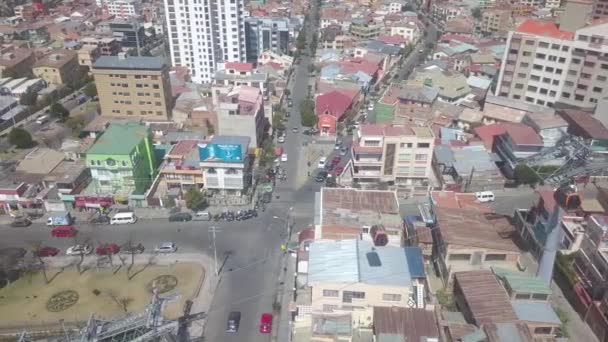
(287, 92)
(28, 98)
(301, 41)
(523, 174)
(36, 246)
(76, 124)
(59, 111)
(20, 138)
(268, 155)
(307, 111)
(195, 199)
(476, 13)
(90, 89)
(277, 120)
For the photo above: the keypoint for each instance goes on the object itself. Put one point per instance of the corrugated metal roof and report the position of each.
(333, 261)
(415, 263)
(393, 268)
(522, 282)
(534, 311)
(346, 261)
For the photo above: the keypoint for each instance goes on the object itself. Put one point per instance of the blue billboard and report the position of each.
(223, 152)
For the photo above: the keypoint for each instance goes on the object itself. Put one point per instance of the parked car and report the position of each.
(79, 250)
(284, 157)
(330, 182)
(166, 247)
(295, 129)
(321, 176)
(266, 323)
(202, 216)
(289, 103)
(129, 248)
(46, 251)
(337, 145)
(321, 163)
(63, 231)
(234, 319)
(107, 248)
(100, 219)
(180, 217)
(343, 151)
(337, 171)
(21, 222)
(336, 160)
(281, 139)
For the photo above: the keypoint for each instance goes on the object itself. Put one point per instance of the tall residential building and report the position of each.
(133, 87)
(202, 34)
(397, 154)
(543, 65)
(120, 8)
(264, 34)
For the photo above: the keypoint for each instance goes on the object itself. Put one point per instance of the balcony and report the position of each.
(367, 173)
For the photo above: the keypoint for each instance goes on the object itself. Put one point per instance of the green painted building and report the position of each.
(122, 161)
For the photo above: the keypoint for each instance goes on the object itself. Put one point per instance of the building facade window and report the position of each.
(331, 293)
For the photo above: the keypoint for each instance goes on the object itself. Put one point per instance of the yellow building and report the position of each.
(58, 67)
(133, 87)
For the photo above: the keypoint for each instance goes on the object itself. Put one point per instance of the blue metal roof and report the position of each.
(413, 255)
(533, 311)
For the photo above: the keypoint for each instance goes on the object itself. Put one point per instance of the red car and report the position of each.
(63, 231)
(107, 248)
(47, 252)
(337, 171)
(266, 323)
(336, 160)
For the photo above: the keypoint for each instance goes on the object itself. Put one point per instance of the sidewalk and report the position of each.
(284, 323)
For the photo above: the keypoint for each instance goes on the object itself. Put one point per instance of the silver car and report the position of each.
(166, 247)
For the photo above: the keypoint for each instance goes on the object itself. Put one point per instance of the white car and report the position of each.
(281, 139)
(79, 250)
(284, 157)
(166, 247)
(321, 163)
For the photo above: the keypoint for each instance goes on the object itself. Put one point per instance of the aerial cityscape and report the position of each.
(304, 170)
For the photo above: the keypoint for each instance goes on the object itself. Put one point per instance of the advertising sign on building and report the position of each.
(223, 152)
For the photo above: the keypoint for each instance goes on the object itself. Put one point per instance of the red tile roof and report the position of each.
(334, 102)
(239, 66)
(488, 132)
(547, 29)
(182, 148)
(522, 134)
(394, 39)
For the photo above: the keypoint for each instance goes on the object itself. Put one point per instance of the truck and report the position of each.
(59, 219)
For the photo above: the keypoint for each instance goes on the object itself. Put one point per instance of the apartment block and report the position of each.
(543, 65)
(397, 154)
(495, 21)
(133, 87)
(107, 46)
(237, 74)
(240, 111)
(16, 62)
(58, 67)
(266, 34)
(225, 164)
(120, 8)
(366, 28)
(203, 35)
(87, 55)
(410, 31)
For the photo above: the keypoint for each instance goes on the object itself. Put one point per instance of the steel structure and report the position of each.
(148, 325)
(578, 160)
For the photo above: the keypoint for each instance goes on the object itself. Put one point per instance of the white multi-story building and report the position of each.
(544, 65)
(203, 34)
(120, 8)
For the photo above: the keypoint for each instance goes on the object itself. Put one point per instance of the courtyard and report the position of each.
(72, 296)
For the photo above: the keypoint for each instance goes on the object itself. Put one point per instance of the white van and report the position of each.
(42, 120)
(123, 218)
(485, 196)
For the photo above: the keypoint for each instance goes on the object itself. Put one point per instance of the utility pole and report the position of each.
(213, 230)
